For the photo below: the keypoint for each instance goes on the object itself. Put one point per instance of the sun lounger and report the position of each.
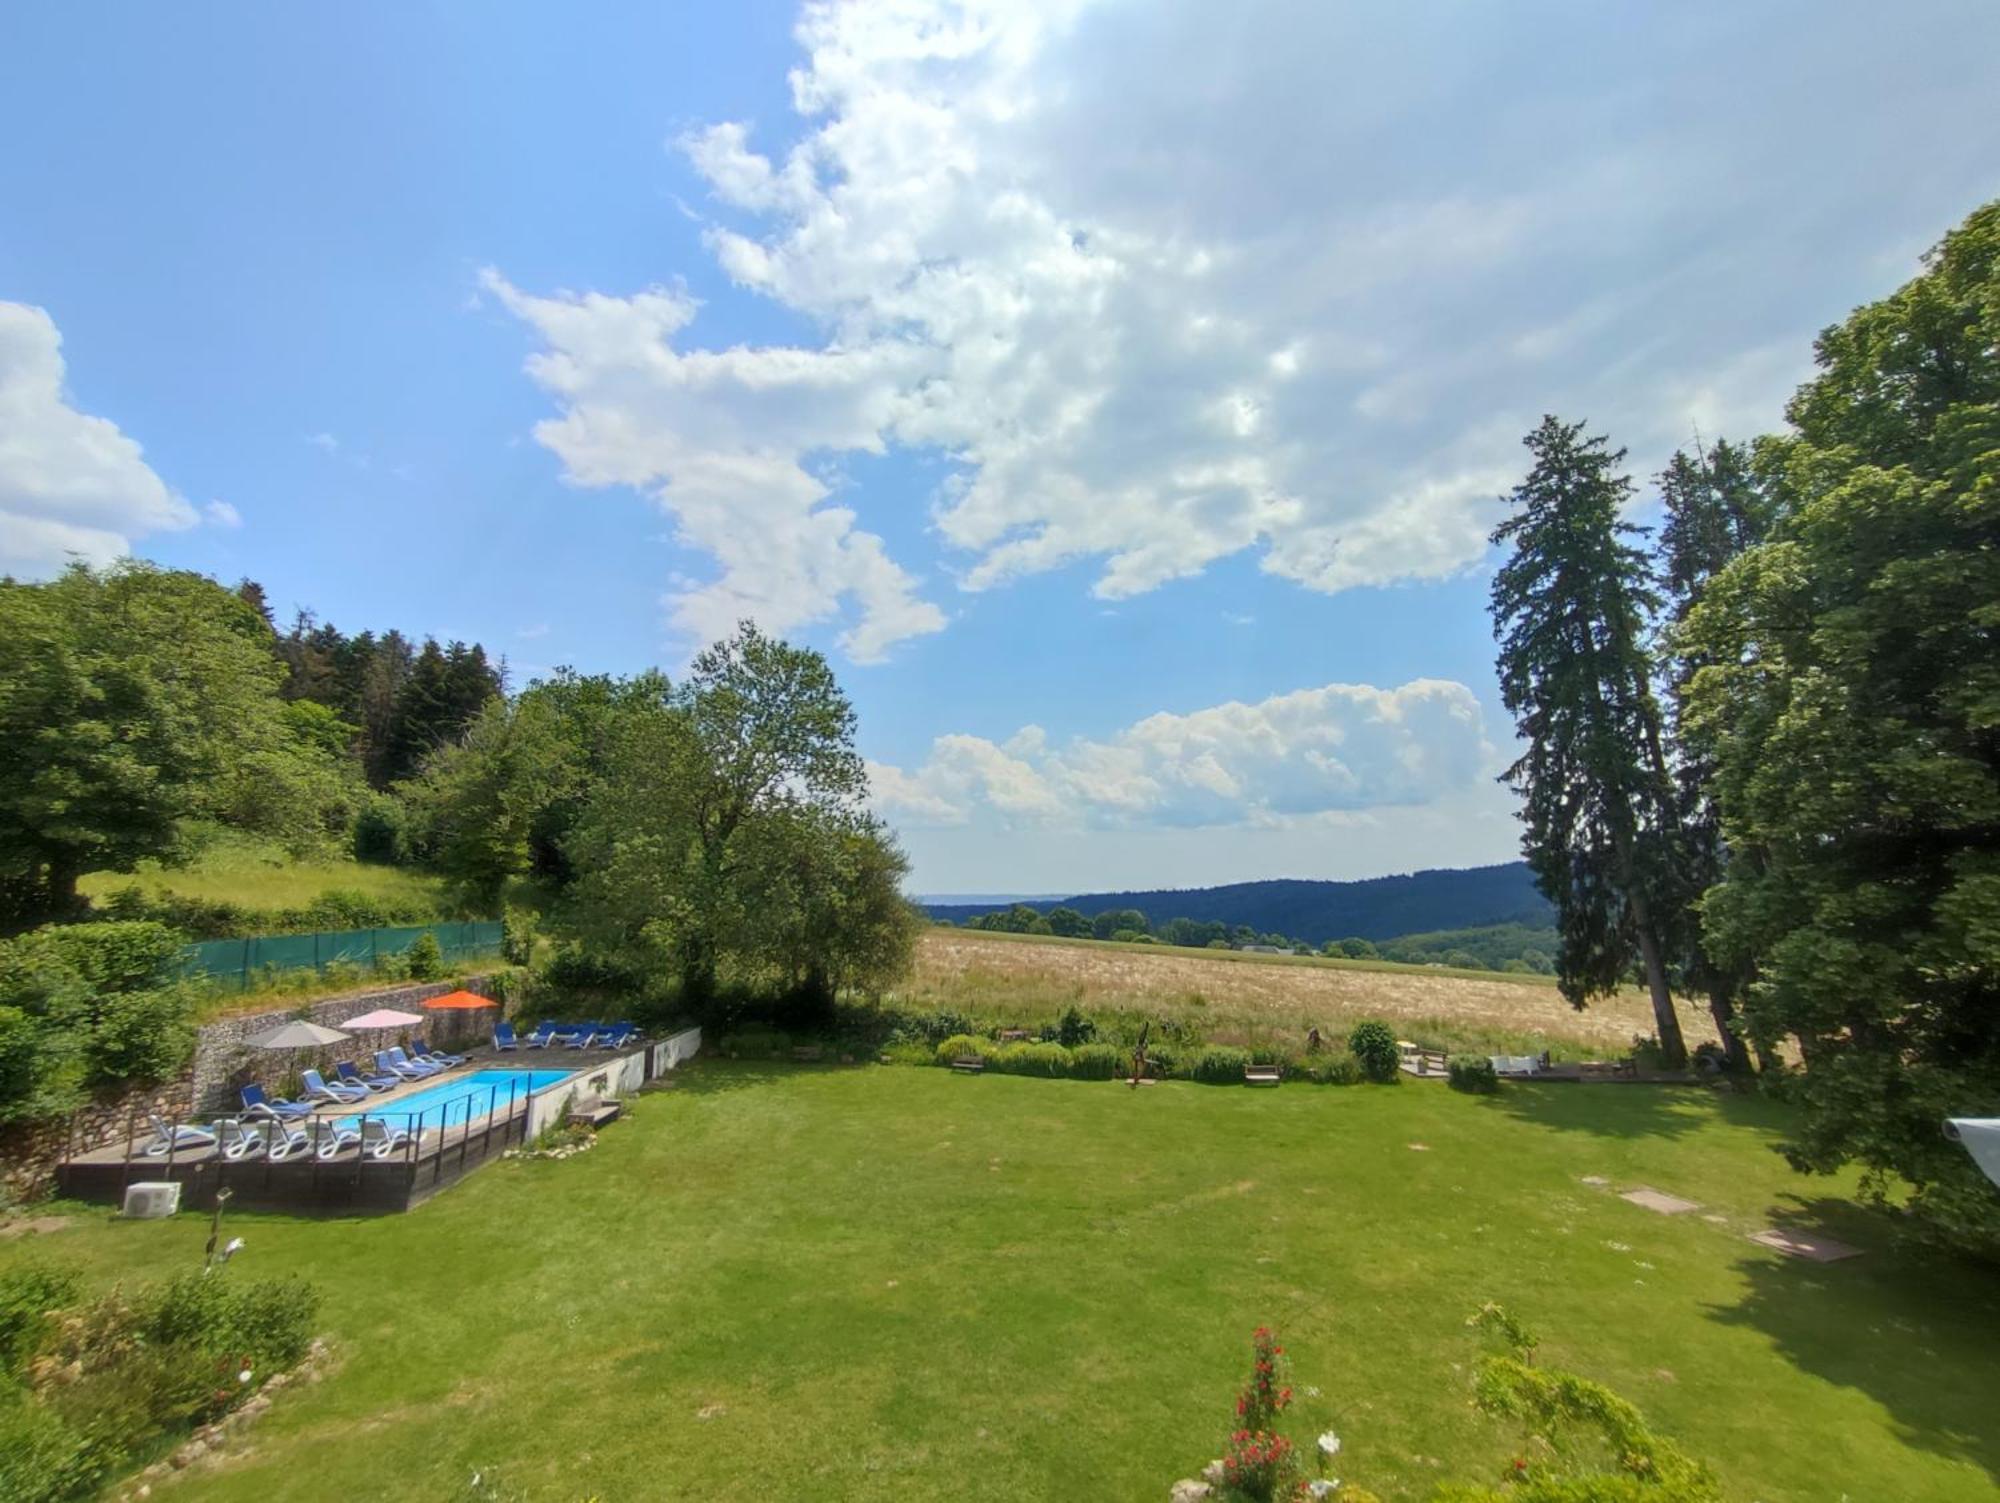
(504, 1041)
(1515, 1064)
(583, 1038)
(618, 1037)
(284, 1140)
(541, 1038)
(338, 1095)
(396, 1063)
(257, 1105)
(238, 1139)
(426, 1054)
(329, 1139)
(384, 1139)
(169, 1138)
(350, 1075)
(429, 1067)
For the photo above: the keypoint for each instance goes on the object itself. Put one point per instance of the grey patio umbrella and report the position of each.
(297, 1034)
(1981, 1137)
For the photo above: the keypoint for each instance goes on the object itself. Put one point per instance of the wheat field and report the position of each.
(1237, 998)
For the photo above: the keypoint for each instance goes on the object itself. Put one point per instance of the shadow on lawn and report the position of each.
(1915, 1331)
(1636, 1111)
(714, 1075)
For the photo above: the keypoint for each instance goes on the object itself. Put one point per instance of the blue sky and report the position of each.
(1118, 393)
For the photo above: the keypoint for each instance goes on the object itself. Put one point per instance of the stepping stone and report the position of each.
(1595, 1181)
(1654, 1200)
(1805, 1245)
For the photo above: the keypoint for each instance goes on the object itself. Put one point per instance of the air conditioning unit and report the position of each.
(152, 1200)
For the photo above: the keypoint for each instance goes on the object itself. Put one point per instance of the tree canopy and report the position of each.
(1848, 699)
(133, 700)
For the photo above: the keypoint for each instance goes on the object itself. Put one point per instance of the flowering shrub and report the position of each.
(1262, 1466)
(1267, 1394)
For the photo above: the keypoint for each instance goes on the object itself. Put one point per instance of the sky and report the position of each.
(1120, 394)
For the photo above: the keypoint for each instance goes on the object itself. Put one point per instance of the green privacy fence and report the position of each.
(235, 962)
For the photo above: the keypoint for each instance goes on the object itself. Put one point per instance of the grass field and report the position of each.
(1240, 998)
(254, 875)
(896, 1283)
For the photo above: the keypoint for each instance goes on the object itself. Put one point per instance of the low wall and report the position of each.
(30, 1151)
(618, 1077)
(222, 1063)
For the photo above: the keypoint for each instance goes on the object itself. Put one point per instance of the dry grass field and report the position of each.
(1236, 998)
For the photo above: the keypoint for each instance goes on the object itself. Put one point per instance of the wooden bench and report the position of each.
(968, 1064)
(1262, 1074)
(808, 1054)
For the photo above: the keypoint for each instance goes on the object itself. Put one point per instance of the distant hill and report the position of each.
(1376, 909)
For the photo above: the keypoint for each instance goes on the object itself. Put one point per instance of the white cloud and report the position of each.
(723, 439)
(1172, 283)
(325, 442)
(71, 485)
(1311, 754)
(222, 514)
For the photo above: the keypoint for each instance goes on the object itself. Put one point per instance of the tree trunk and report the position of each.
(1673, 1048)
(1722, 1007)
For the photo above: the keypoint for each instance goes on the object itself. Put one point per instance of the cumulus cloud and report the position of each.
(1172, 283)
(222, 514)
(1319, 752)
(71, 485)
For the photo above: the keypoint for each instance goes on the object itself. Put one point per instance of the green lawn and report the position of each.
(897, 1283)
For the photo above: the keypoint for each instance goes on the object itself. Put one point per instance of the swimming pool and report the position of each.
(469, 1098)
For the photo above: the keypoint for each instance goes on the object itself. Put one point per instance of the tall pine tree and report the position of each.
(1570, 608)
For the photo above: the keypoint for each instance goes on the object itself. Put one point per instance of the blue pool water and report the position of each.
(467, 1098)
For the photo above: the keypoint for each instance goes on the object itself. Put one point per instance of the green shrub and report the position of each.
(961, 1045)
(1098, 1062)
(424, 961)
(1473, 1074)
(1031, 1059)
(1219, 1064)
(1373, 1046)
(1074, 1028)
(27, 1295)
(141, 1036)
(43, 1459)
(381, 831)
(117, 957)
(1332, 1069)
(517, 937)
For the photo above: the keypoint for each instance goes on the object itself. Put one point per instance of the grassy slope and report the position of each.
(1236, 997)
(897, 1283)
(254, 876)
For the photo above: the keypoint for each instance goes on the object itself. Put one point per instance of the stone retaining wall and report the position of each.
(30, 1151)
(222, 1063)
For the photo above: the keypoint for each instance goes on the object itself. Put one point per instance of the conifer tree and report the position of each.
(1570, 608)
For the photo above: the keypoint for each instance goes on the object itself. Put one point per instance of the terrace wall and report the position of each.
(221, 1062)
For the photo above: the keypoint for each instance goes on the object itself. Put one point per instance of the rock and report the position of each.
(1214, 1472)
(1188, 1490)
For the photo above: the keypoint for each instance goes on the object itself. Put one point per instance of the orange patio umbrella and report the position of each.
(461, 999)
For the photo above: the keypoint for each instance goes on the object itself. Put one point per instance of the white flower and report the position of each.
(244, 1376)
(1323, 1487)
(1329, 1445)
